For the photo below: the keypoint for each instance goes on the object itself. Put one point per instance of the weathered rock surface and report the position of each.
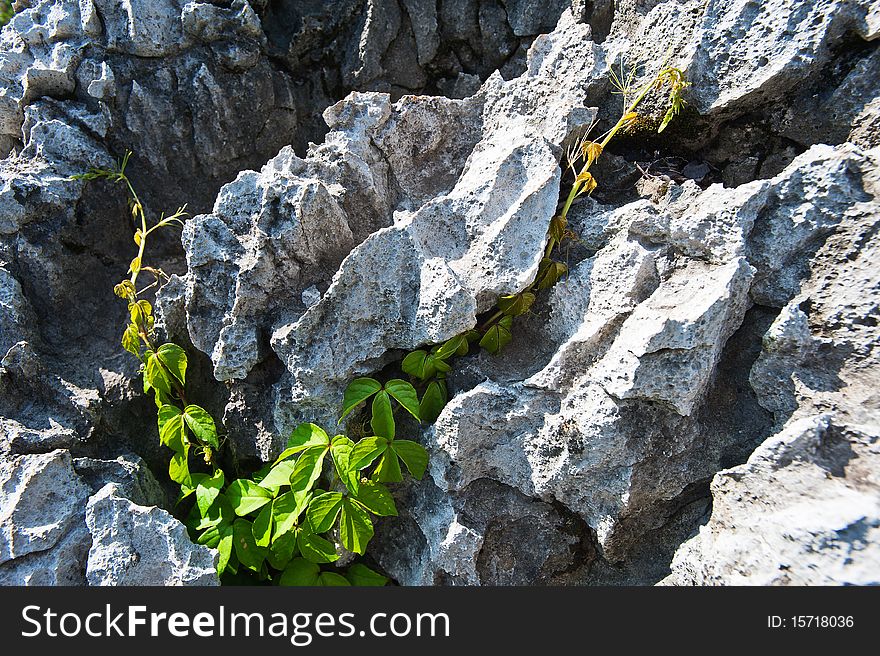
(44, 538)
(802, 511)
(699, 322)
(43, 501)
(137, 545)
(804, 508)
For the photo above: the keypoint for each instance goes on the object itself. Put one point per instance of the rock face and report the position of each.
(799, 512)
(804, 508)
(137, 545)
(718, 323)
(45, 538)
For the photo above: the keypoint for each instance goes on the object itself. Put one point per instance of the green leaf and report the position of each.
(208, 489)
(433, 401)
(161, 398)
(457, 345)
(246, 496)
(174, 359)
(171, 427)
(358, 390)
(262, 527)
(278, 476)
(413, 455)
(341, 449)
(332, 579)
(405, 395)
(355, 527)
(376, 498)
(557, 228)
(178, 468)
(261, 473)
(220, 513)
(202, 425)
(212, 536)
(362, 576)
(419, 364)
(549, 272)
(316, 549)
(383, 416)
(287, 509)
(282, 549)
(131, 340)
(155, 376)
(300, 572)
(517, 304)
(249, 553)
(308, 468)
(674, 109)
(224, 546)
(304, 437)
(366, 451)
(388, 470)
(323, 510)
(497, 336)
(186, 490)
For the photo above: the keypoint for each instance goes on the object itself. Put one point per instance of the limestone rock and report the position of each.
(137, 545)
(747, 52)
(722, 294)
(44, 539)
(640, 335)
(43, 500)
(803, 510)
(425, 278)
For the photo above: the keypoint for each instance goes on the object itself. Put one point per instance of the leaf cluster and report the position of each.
(290, 522)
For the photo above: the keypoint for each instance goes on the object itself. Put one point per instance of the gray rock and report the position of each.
(804, 510)
(64, 564)
(639, 335)
(480, 539)
(40, 410)
(747, 53)
(819, 519)
(44, 539)
(136, 27)
(626, 389)
(17, 316)
(527, 18)
(471, 239)
(136, 545)
(42, 501)
(129, 474)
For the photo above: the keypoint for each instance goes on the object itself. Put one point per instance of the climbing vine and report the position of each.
(294, 521)
(430, 366)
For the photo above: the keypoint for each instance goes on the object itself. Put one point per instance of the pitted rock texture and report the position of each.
(819, 520)
(45, 539)
(195, 90)
(718, 322)
(804, 508)
(137, 545)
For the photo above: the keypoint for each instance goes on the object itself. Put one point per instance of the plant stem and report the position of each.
(623, 120)
(144, 232)
(491, 320)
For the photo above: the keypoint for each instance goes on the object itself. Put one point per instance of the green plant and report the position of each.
(282, 524)
(6, 12)
(430, 365)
